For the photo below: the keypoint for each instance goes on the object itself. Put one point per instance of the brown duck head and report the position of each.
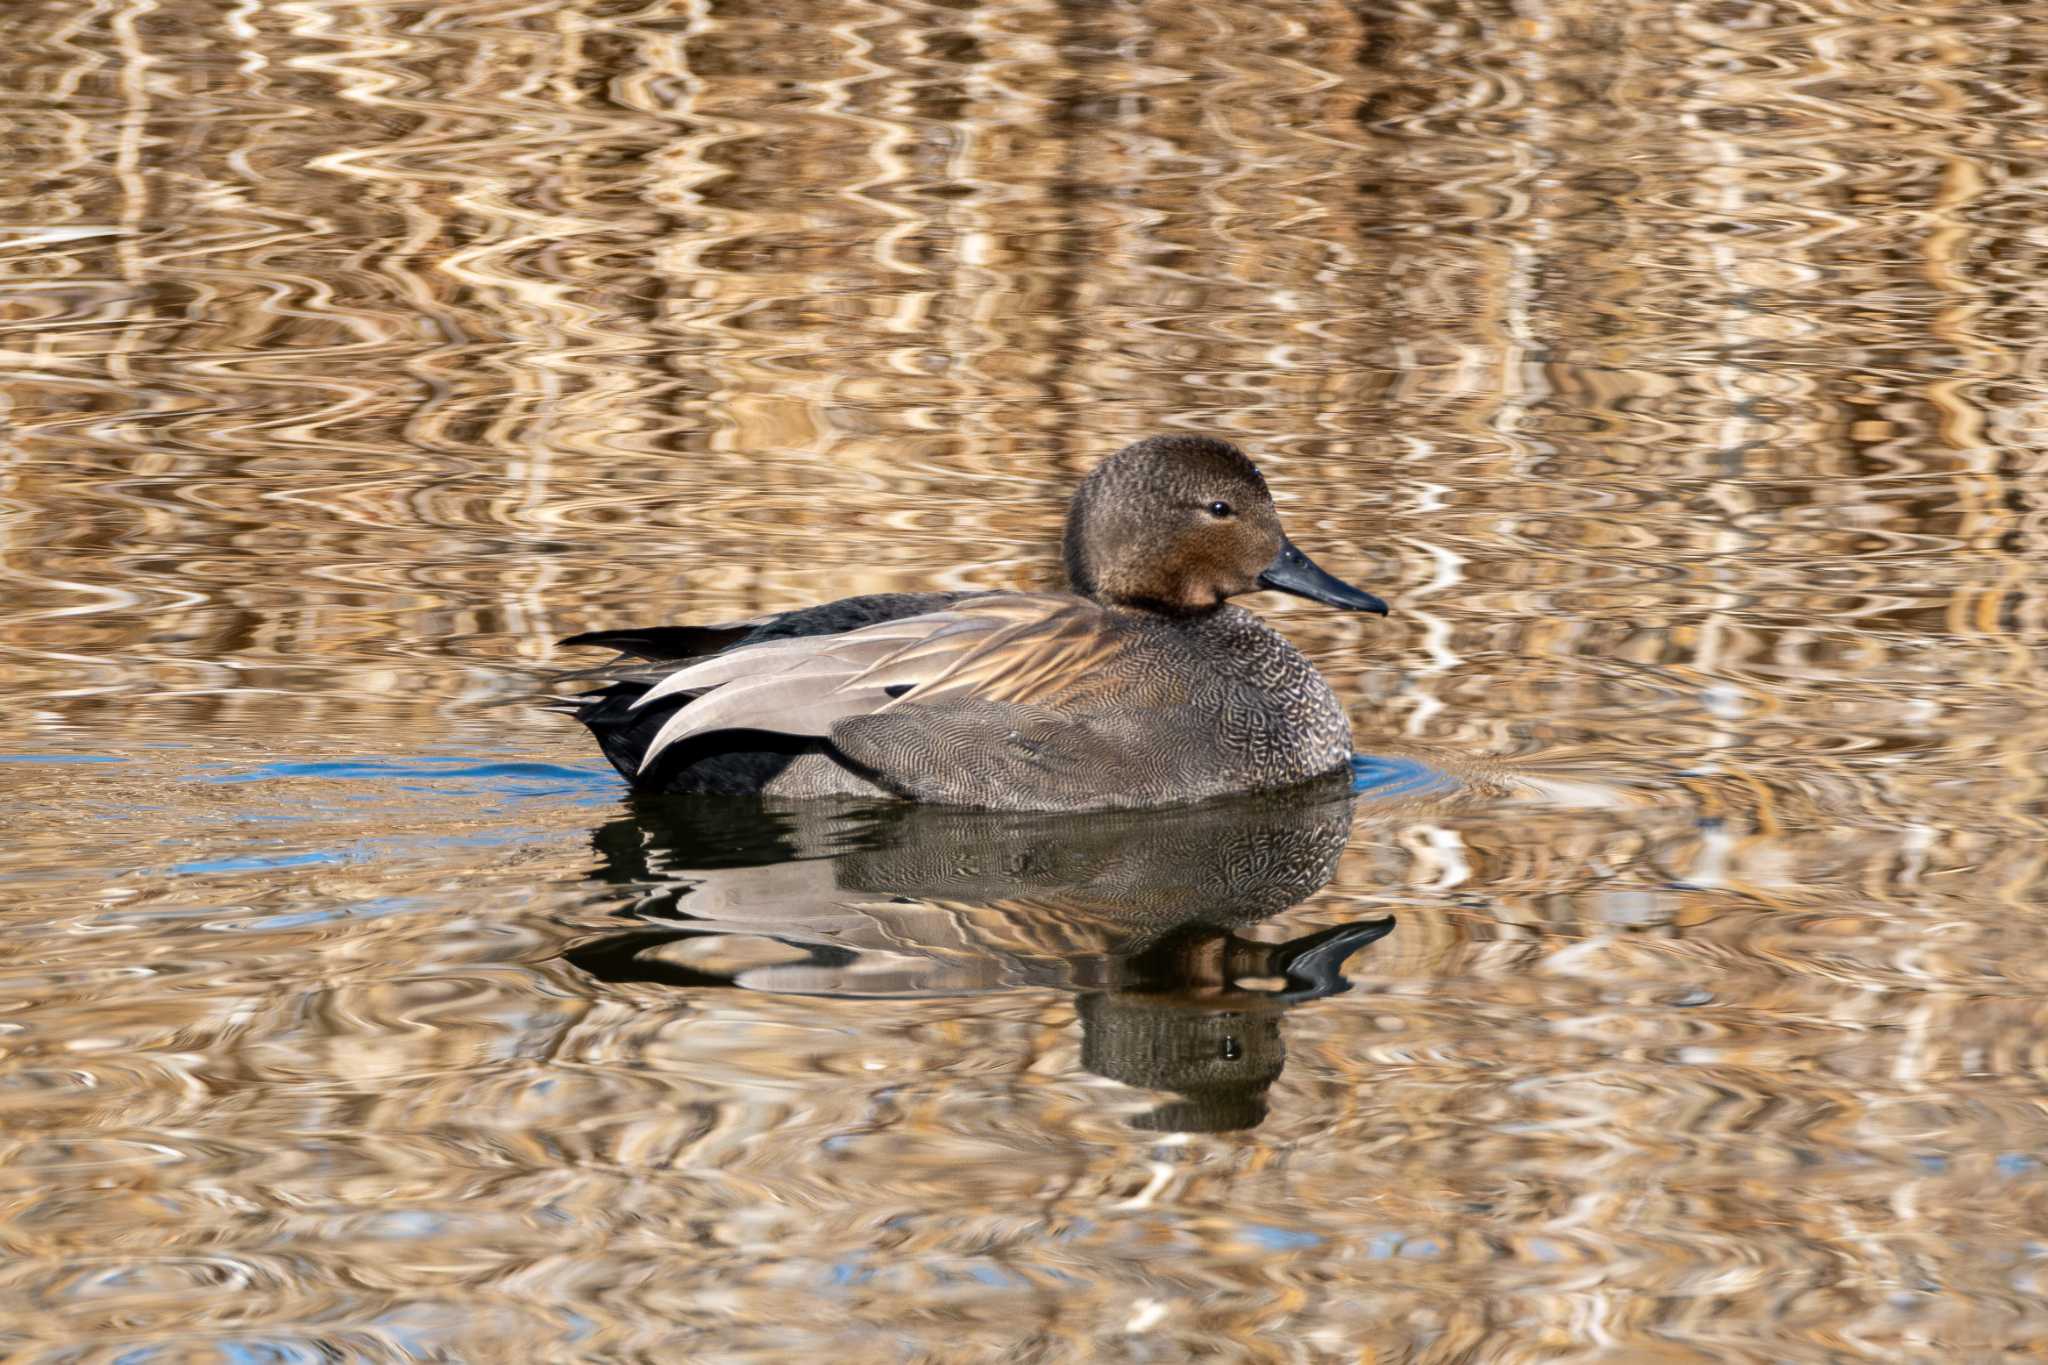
(1181, 524)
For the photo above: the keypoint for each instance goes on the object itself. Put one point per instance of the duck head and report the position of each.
(1181, 524)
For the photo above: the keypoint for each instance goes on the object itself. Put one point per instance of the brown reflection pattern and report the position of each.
(1139, 913)
(1678, 368)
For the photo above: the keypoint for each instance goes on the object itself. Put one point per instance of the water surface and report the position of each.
(1676, 370)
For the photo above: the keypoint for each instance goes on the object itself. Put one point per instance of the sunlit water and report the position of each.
(1675, 369)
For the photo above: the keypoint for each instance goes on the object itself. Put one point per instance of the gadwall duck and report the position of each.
(1141, 687)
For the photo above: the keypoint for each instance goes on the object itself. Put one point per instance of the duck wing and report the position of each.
(602, 697)
(1017, 650)
(642, 646)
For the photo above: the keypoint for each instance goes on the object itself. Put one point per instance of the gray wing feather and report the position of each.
(807, 686)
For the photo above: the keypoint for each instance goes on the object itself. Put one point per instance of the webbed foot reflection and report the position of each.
(1136, 913)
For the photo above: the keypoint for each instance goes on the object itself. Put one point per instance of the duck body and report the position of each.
(1145, 711)
(1145, 688)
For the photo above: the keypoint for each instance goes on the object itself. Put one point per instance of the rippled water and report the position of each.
(1676, 369)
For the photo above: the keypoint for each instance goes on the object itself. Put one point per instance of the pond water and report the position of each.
(1668, 983)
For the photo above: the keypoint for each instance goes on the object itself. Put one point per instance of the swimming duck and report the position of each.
(1142, 686)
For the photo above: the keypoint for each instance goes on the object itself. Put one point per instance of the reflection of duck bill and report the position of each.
(1202, 966)
(1219, 1049)
(1313, 967)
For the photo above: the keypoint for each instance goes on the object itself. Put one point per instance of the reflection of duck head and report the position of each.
(1181, 1017)
(1137, 912)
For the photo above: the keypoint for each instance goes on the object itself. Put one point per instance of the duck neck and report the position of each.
(1174, 612)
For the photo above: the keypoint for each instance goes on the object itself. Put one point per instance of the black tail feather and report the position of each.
(621, 732)
(726, 762)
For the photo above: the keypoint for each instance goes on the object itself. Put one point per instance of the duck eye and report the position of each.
(1219, 508)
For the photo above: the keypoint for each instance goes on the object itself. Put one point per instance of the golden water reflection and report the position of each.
(1676, 370)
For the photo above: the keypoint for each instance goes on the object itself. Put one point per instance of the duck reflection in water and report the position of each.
(1139, 913)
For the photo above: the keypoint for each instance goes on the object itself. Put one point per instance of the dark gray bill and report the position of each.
(1314, 966)
(1292, 571)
